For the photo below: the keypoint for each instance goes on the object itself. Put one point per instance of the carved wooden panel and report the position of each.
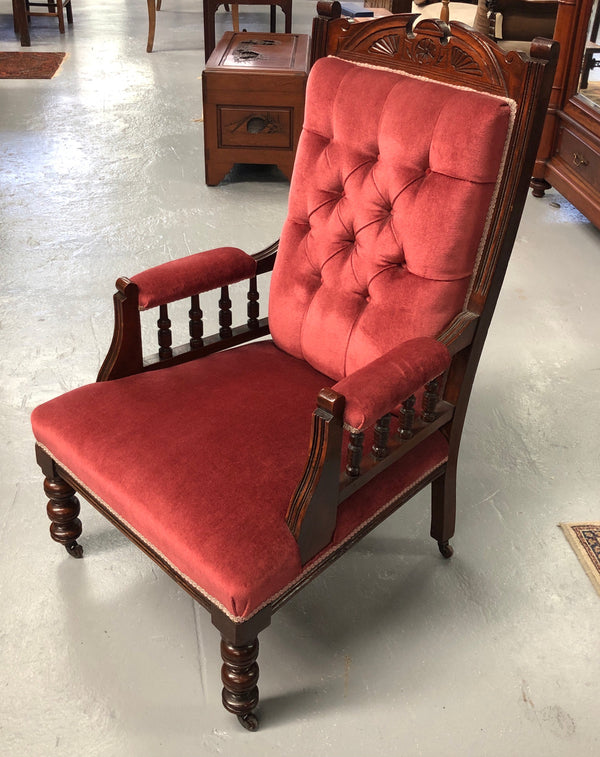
(251, 127)
(434, 49)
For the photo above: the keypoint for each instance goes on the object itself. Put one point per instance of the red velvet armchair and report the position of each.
(244, 467)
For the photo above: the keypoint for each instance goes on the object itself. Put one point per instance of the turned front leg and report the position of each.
(240, 676)
(63, 509)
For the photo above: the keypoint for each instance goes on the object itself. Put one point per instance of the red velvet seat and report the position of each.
(209, 456)
(227, 536)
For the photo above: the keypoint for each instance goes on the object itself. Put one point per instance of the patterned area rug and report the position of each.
(29, 65)
(585, 540)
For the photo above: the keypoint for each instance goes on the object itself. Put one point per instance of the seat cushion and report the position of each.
(201, 461)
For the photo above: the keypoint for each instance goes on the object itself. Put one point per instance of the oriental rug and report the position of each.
(26, 65)
(585, 540)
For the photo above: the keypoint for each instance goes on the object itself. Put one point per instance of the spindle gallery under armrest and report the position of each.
(312, 512)
(383, 384)
(162, 285)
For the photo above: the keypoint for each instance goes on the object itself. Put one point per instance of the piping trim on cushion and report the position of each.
(309, 567)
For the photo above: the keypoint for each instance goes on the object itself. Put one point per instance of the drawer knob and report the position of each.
(579, 160)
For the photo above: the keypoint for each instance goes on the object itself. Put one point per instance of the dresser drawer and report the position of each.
(583, 160)
(251, 127)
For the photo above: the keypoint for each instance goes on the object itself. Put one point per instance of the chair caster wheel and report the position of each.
(249, 721)
(74, 549)
(445, 549)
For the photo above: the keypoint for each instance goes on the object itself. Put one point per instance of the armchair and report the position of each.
(245, 467)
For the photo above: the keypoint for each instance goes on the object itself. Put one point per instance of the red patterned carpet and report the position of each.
(26, 65)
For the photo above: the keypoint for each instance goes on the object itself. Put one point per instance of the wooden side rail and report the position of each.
(125, 355)
(312, 511)
(325, 484)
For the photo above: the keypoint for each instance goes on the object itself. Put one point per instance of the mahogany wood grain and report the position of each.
(407, 416)
(165, 337)
(196, 326)
(355, 453)
(63, 506)
(381, 437)
(312, 511)
(239, 675)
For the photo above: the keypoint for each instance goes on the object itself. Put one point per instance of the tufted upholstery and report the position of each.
(387, 208)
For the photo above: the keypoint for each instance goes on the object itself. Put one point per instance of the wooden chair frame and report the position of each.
(444, 53)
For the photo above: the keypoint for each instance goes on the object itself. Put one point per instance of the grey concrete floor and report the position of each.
(393, 650)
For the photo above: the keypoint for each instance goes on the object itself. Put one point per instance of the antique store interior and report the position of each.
(393, 651)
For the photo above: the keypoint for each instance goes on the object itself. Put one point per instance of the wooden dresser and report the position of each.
(569, 154)
(253, 90)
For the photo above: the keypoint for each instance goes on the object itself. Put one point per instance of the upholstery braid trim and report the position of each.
(492, 207)
(400, 72)
(197, 587)
(310, 566)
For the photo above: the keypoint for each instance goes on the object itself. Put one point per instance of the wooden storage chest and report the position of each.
(253, 91)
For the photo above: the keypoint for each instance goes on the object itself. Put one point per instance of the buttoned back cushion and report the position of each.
(391, 188)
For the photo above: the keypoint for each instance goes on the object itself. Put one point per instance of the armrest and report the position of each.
(192, 275)
(383, 384)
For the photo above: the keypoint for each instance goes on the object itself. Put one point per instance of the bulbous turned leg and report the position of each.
(240, 676)
(63, 509)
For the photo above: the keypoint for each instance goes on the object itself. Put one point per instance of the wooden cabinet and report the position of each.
(569, 154)
(253, 90)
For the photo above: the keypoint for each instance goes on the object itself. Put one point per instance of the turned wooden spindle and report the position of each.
(63, 509)
(430, 400)
(355, 453)
(445, 11)
(196, 325)
(225, 314)
(239, 675)
(253, 307)
(165, 338)
(381, 436)
(408, 418)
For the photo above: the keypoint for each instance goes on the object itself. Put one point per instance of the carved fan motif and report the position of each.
(464, 63)
(386, 45)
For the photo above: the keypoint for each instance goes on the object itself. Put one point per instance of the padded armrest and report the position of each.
(192, 275)
(382, 385)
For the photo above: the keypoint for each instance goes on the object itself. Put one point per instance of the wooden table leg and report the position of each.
(209, 8)
(151, 25)
(20, 22)
(286, 7)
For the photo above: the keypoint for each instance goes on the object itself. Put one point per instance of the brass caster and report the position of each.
(74, 549)
(249, 721)
(445, 549)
